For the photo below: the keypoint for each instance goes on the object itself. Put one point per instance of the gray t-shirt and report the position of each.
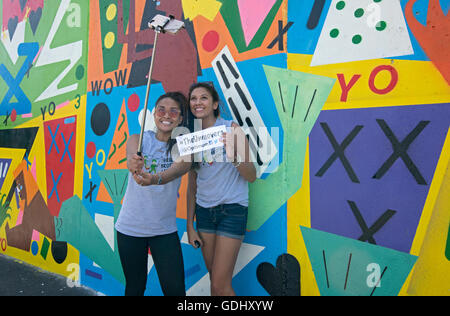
(218, 181)
(149, 211)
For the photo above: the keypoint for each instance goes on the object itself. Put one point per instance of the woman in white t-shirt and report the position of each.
(148, 215)
(217, 194)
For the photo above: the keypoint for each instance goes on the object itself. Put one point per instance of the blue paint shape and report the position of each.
(66, 147)
(69, 120)
(53, 136)
(4, 168)
(193, 270)
(55, 186)
(34, 248)
(23, 104)
(301, 39)
(252, 71)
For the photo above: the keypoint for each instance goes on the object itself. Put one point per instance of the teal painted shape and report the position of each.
(115, 182)
(299, 97)
(76, 226)
(330, 256)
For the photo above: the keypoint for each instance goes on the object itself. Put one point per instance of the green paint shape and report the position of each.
(42, 77)
(115, 182)
(340, 5)
(349, 267)
(44, 249)
(334, 33)
(357, 39)
(359, 13)
(309, 93)
(76, 226)
(381, 26)
(111, 56)
(231, 16)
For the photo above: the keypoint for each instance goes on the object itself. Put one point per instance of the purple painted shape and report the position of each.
(93, 274)
(396, 190)
(4, 168)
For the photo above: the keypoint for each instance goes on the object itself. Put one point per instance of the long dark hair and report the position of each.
(182, 102)
(209, 86)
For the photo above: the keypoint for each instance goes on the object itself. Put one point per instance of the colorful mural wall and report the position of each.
(354, 95)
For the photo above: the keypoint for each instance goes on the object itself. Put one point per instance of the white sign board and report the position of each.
(202, 140)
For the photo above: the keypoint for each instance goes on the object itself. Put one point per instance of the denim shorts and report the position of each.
(229, 220)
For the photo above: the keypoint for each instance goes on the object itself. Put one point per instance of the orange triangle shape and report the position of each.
(117, 152)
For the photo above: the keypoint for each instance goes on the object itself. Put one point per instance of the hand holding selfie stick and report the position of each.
(160, 24)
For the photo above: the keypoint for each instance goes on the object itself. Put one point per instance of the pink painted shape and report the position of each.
(62, 105)
(19, 218)
(33, 169)
(36, 235)
(253, 13)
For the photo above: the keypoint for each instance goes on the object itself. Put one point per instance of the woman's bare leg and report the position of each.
(225, 255)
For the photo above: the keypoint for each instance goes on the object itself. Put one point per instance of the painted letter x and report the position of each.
(23, 105)
(66, 147)
(53, 136)
(400, 149)
(55, 186)
(369, 232)
(339, 152)
(279, 38)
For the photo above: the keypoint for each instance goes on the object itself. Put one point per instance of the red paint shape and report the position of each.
(434, 37)
(176, 69)
(210, 41)
(3, 244)
(58, 162)
(346, 87)
(133, 102)
(12, 9)
(90, 149)
(13, 115)
(392, 84)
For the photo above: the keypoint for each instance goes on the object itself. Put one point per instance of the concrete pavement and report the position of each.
(21, 279)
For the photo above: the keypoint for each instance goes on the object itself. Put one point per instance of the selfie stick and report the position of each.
(160, 24)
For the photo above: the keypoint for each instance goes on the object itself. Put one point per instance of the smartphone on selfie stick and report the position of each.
(160, 24)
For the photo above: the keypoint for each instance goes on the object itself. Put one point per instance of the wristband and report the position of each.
(159, 179)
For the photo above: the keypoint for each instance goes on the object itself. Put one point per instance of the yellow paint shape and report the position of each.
(38, 151)
(431, 274)
(111, 12)
(419, 82)
(48, 264)
(110, 39)
(299, 214)
(77, 108)
(206, 8)
(16, 156)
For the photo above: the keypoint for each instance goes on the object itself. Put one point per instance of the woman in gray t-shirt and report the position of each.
(217, 192)
(148, 215)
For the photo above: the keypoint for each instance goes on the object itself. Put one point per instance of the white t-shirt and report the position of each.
(149, 211)
(218, 181)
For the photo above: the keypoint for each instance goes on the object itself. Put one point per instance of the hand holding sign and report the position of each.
(231, 140)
